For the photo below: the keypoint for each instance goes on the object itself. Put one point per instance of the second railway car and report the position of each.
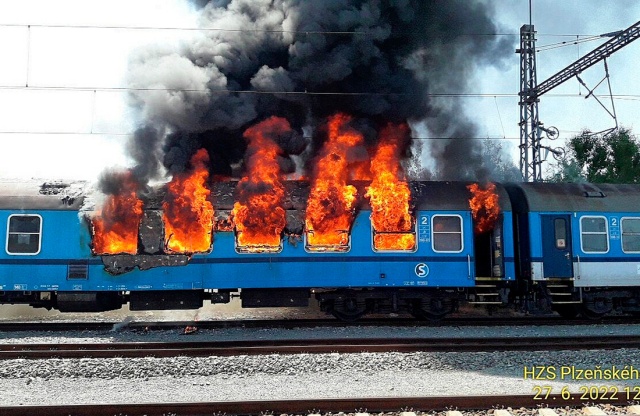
(580, 245)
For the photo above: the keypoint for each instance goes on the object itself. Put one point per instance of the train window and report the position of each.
(560, 226)
(23, 234)
(630, 235)
(447, 233)
(594, 235)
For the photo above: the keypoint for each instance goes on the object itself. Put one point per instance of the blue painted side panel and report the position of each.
(509, 247)
(613, 228)
(66, 237)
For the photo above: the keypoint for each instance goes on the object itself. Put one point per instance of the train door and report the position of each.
(556, 246)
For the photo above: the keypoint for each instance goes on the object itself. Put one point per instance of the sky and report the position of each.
(64, 110)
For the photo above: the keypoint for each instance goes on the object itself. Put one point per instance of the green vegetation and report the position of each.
(600, 158)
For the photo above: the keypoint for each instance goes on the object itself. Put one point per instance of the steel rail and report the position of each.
(389, 404)
(311, 346)
(21, 326)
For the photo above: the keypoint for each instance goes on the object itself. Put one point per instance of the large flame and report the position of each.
(187, 211)
(389, 193)
(115, 224)
(259, 214)
(484, 207)
(331, 201)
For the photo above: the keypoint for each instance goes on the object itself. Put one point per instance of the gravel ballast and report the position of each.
(279, 377)
(274, 377)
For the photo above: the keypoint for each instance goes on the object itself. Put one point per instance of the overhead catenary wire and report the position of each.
(126, 134)
(93, 89)
(249, 30)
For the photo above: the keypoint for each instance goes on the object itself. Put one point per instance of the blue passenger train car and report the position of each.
(580, 245)
(48, 259)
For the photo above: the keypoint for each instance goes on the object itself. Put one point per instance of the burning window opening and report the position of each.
(392, 223)
(187, 211)
(274, 246)
(258, 213)
(331, 205)
(485, 207)
(394, 240)
(337, 242)
(114, 227)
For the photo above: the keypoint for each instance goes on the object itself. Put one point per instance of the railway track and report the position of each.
(261, 347)
(16, 326)
(310, 406)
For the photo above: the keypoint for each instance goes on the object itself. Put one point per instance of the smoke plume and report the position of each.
(376, 60)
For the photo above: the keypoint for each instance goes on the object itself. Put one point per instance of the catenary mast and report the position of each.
(530, 91)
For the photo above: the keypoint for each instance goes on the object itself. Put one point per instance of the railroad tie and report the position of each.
(593, 411)
(453, 413)
(634, 410)
(502, 412)
(547, 412)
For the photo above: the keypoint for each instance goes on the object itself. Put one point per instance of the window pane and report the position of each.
(561, 229)
(447, 241)
(594, 243)
(446, 224)
(593, 225)
(23, 243)
(630, 243)
(631, 225)
(24, 224)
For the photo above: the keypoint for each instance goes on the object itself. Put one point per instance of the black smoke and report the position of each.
(377, 60)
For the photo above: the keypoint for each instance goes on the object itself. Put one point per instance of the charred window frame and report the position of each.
(398, 234)
(630, 228)
(24, 234)
(447, 234)
(327, 248)
(594, 234)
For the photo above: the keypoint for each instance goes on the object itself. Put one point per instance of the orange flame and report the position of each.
(389, 193)
(331, 201)
(259, 214)
(360, 171)
(188, 213)
(115, 225)
(484, 207)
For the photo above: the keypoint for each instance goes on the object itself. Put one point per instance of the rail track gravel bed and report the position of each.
(55, 326)
(285, 377)
(317, 346)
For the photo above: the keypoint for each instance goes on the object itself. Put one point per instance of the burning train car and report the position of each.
(54, 256)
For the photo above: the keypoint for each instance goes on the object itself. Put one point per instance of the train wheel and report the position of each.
(590, 314)
(349, 309)
(433, 309)
(596, 308)
(427, 316)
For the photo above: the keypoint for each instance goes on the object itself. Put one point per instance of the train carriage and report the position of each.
(580, 243)
(48, 259)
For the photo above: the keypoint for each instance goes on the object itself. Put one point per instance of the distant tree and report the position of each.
(498, 162)
(600, 158)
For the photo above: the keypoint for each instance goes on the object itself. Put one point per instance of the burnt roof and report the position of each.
(552, 197)
(428, 195)
(30, 195)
